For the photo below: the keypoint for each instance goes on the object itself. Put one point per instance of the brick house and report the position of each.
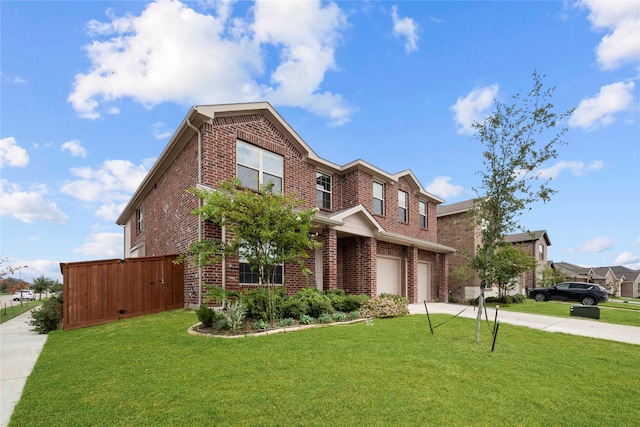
(378, 230)
(619, 280)
(456, 229)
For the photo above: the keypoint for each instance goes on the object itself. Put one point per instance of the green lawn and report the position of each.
(610, 312)
(16, 308)
(148, 371)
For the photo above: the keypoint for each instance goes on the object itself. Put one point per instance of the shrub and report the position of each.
(384, 306)
(205, 316)
(400, 298)
(294, 308)
(324, 318)
(257, 302)
(306, 320)
(319, 307)
(339, 316)
(353, 315)
(235, 314)
(335, 293)
(287, 321)
(260, 325)
(48, 317)
(354, 302)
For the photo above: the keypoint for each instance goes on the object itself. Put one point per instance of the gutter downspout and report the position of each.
(199, 205)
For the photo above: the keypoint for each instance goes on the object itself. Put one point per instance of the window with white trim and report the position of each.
(249, 277)
(422, 214)
(541, 251)
(139, 219)
(403, 215)
(323, 190)
(257, 166)
(378, 198)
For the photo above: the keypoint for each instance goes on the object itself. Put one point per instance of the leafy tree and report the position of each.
(551, 276)
(8, 282)
(518, 139)
(267, 228)
(507, 263)
(42, 284)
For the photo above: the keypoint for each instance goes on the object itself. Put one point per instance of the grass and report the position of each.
(148, 371)
(611, 312)
(17, 309)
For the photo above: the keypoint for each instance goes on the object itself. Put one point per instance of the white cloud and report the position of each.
(601, 109)
(577, 168)
(626, 258)
(11, 154)
(621, 44)
(599, 244)
(161, 131)
(442, 187)
(103, 245)
(636, 242)
(405, 27)
(221, 59)
(41, 267)
(75, 148)
(29, 206)
(110, 211)
(473, 107)
(109, 184)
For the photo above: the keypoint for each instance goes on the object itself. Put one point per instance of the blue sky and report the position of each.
(92, 91)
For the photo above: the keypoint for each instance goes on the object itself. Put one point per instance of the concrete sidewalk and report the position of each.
(19, 351)
(566, 325)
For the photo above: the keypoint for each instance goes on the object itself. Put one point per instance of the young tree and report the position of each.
(268, 229)
(518, 139)
(42, 284)
(551, 276)
(507, 263)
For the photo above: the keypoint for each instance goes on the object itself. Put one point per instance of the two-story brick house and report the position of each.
(456, 229)
(378, 230)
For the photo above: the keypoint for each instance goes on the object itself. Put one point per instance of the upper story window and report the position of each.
(258, 166)
(378, 198)
(248, 276)
(541, 251)
(323, 190)
(422, 214)
(402, 206)
(139, 219)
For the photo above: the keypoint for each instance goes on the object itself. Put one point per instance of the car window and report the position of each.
(579, 286)
(563, 286)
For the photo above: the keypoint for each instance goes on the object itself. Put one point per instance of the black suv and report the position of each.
(586, 293)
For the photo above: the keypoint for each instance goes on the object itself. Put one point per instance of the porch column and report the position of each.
(412, 274)
(442, 270)
(329, 259)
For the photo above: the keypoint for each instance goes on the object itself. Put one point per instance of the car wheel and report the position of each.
(540, 297)
(589, 301)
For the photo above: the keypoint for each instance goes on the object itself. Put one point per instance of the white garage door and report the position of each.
(388, 276)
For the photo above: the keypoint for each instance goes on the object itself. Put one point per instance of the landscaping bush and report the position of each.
(287, 321)
(353, 315)
(294, 308)
(256, 302)
(319, 307)
(324, 318)
(384, 306)
(260, 325)
(235, 314)
(354, 302)
(400, 298)
(205, 316)
(339, 316)
(306, 320)
(48, 317)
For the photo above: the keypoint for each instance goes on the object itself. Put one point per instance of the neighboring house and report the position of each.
(621, 281)
(456, 229)
(378, 230)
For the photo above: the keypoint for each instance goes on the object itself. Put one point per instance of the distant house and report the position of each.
(456, 229)
(378, 230)
(621, 281)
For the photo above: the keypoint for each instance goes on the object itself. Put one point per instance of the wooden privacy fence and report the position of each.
(98, 292)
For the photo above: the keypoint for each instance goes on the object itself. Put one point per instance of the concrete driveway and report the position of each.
(566, 325)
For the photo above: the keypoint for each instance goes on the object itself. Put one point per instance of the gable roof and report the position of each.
(455, 208)
(200, 114)
(528, 236)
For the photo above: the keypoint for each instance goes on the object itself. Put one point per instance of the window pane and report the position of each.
(377, 207)
(246, 275)
(248, 177)
(402, 214)
(248, 155)
(423, 208)
(402, 199)
(323, 199)
(277, 182)
(323, 182)
(272, 163)
(378, 190)
(423, 221)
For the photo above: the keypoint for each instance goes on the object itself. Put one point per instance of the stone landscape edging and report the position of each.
(296, 328)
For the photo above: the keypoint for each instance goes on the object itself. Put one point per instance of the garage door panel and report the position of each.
(388, 276)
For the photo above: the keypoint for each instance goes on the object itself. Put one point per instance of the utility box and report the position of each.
(590, 311)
